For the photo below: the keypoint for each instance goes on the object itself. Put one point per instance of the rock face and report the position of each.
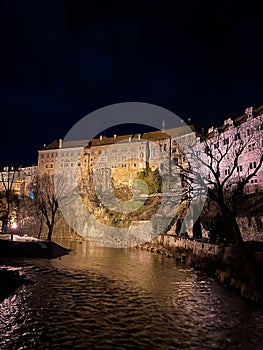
(251, 227)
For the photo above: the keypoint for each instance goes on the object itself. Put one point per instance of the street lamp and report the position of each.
(7, 182)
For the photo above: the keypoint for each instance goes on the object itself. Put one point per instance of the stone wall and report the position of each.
(196, 247)
(251, 228)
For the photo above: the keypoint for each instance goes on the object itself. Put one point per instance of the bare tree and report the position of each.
(49, 191)
(46, 201)
(8, 197)
(221, 166)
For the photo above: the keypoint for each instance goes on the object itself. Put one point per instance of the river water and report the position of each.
(105, 298)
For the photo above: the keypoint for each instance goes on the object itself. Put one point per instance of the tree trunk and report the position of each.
(50, 231)
(232, 226)
(40, 228)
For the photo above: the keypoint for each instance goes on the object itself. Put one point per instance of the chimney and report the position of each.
(59, 143)
(130, 139)
(100, 137)
(139, 136)
(115, 136)
(249, 112)
(44, 145)
(163, 126)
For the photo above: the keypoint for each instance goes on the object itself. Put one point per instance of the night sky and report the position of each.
(61, 60)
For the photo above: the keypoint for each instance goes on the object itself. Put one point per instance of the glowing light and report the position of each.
(14, 225)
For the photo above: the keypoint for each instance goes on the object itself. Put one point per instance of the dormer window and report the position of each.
(226, 141)
(216, 145)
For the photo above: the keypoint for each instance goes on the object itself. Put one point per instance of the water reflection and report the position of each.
(105, 298)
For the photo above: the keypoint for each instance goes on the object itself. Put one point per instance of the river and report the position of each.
(106, 298)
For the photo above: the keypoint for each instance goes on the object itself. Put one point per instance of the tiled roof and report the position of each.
(66, 144)
(72, 144)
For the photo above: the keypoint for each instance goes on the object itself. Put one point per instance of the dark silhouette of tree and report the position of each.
(46, 201)
(9, 199)
(214, 165)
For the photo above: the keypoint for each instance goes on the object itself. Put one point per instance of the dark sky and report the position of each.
(61, 60)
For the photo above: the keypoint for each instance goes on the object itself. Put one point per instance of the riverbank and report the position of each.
(221, 262)
(29, 247)
(23, 247)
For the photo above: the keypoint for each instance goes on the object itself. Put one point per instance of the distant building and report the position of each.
(19, 180)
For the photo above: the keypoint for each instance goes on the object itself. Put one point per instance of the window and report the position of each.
(207, 150)
(99, 152)
(175, 160)
(165, 147)
(248, 132)
(226, 141)
(216, 145)
(227, 171)
(252, 165)
(237, 136)
(239, 168)
(251, 147)
(134, 165)
(141, 155)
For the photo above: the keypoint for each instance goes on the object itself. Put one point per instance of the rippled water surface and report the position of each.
(105, 298)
